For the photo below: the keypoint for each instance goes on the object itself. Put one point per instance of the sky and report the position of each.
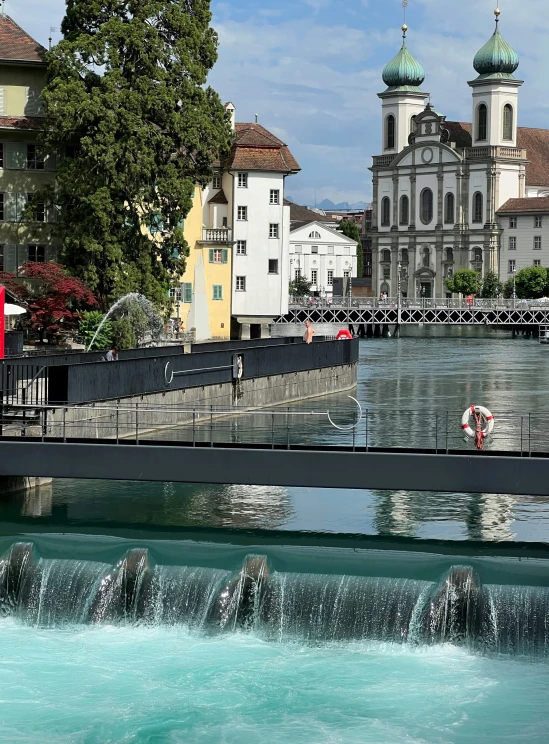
(311, 71)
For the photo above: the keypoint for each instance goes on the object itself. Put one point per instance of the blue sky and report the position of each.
(311, 70)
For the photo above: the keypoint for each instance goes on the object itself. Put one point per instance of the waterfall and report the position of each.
(278, 606)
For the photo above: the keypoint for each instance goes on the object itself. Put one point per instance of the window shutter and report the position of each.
(16, 155)
(2, 99)
(22, 255)
(224, 255)
(34, 105)
(21, 204)
(10, 258)
(211, 255)
(10, 206)
(187, 292)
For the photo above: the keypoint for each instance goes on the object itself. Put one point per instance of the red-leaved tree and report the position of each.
(53, 298)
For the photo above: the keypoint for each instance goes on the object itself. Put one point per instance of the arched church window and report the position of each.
(477, 207)
(507, 122)
(449, 208)
(315, 235)
(405, 258)
(426, 257)
(390, 133)
(385, 211)
(426, 206)
(449, 254)
(477, 255)
(404, 210)
(482, 122)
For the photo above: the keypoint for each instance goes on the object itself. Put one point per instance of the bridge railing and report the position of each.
(345, 425)
(418, 302)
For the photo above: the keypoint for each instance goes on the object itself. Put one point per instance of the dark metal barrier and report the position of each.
(84, 383)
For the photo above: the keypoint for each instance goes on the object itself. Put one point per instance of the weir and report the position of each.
(276, 605)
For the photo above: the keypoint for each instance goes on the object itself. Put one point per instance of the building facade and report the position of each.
(23, 167)
(438, 185)
(524, 235)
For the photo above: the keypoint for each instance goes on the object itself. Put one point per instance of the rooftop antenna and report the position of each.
(256, 118)
(3, 3)
(53, 30)
(404, 26)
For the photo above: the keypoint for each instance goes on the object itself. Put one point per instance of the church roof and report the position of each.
(16, 45)
(404, 71)
(497, 60)
(255, 148)
(534, 141)
(531, 204)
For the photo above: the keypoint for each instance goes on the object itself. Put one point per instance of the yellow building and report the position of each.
(203, 301)
(23, 168)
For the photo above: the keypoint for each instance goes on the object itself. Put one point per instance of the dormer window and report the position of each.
(315, 235)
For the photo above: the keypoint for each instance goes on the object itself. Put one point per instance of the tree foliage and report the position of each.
(465, 281)
(491, 286)
(88, 324)
(530, 283)
(126, 94)
(300, 287)
(53, 298)
(351, 230)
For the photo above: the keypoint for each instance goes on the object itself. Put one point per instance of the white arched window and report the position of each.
(390, 126)
(507, 122)
(315, 235)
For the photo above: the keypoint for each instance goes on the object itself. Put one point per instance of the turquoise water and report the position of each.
(158, 685)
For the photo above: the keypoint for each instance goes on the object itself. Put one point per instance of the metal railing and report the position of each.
(347, 426)
(419, 302)
(497, 151)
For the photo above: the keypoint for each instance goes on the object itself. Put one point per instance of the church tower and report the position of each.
(495, 93)
(402, 101)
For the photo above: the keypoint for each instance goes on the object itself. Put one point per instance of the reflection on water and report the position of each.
(396, 376)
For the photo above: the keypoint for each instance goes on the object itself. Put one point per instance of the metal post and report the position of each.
(446, 432)
(366, 419)
(354, 434)
(521, 426)
(288, 428)
(436, 434)
(137, 423)
(64, 424)
(194, 427)
(117, 420)
(44, 422)
(211, 426)
(529, 435)
(272, 430)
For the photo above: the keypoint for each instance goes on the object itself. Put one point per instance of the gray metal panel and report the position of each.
(317, 469)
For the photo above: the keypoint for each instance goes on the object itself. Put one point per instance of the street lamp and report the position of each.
(399, 269)
(514, 287)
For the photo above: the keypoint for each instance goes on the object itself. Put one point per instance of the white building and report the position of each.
(438, 185)
(319, 253)
(525, 235)
(247, 198)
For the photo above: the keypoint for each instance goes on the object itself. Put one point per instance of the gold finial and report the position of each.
(404, 29)
(497, 13)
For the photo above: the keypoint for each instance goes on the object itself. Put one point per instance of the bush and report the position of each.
(123, 336)
(88, 325)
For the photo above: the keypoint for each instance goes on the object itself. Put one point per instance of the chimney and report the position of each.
(231, 109)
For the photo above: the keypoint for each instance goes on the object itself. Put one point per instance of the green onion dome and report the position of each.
(496, 58)
(403, 70)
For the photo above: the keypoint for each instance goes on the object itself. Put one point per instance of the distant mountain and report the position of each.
(328, 205)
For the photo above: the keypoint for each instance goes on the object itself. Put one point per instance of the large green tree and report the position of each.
(465, 281)
(350, 230)
(530, 283)
(491, 286)
(127, 104)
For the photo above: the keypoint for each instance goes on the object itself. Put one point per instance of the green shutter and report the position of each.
(224, 255)
(211, 255)
(10, 258)
(187, 292)
(157, 224)
(218, 292)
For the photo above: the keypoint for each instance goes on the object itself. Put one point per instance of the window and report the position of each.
(71, 151)
(1, 154)
(242, 213)
(240, 283)
(274, 196)
(297, 274)
(507, 122)
(537, 262)
(426, 257)
(390, 133)
(330, 250)
(314, 277)
(405, 257)
(273, 266)
(219, 255)
(298, 249)
(242, 180)
(512, 266)
(1, 207)
(37, 253)
(477, 255)
(330, 277)
(217, 292)
(537, 243)
(315, 235)
(538, 221)
(35, 158)
(314, 249)
(216, 184)
(404, 210)
(477, 207)
(513, 244)
(426, 206)
(187, 292)
(386, 256)
(482, 121)
(385, 211)
(449, 208)
(347, 274)
(241, 247)
(273, 230)
(512, 223)
(40, 211)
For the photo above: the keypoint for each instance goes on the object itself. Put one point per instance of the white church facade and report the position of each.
(438, 185)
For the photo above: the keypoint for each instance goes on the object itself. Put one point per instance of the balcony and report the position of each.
(383, 160)
(484, 153)
(217, 235)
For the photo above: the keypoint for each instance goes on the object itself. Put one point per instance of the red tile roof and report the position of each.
(304, 214)
(256, 148)
(218, 198)
(31, 123)
(534, 141)
(532, 204)
(16, 45)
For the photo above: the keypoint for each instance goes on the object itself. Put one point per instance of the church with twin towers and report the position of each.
(439, 187)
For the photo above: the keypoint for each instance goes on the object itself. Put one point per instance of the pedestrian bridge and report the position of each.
(371, 312)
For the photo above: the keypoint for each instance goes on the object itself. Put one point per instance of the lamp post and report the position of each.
(514, 287)
(399, 269)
